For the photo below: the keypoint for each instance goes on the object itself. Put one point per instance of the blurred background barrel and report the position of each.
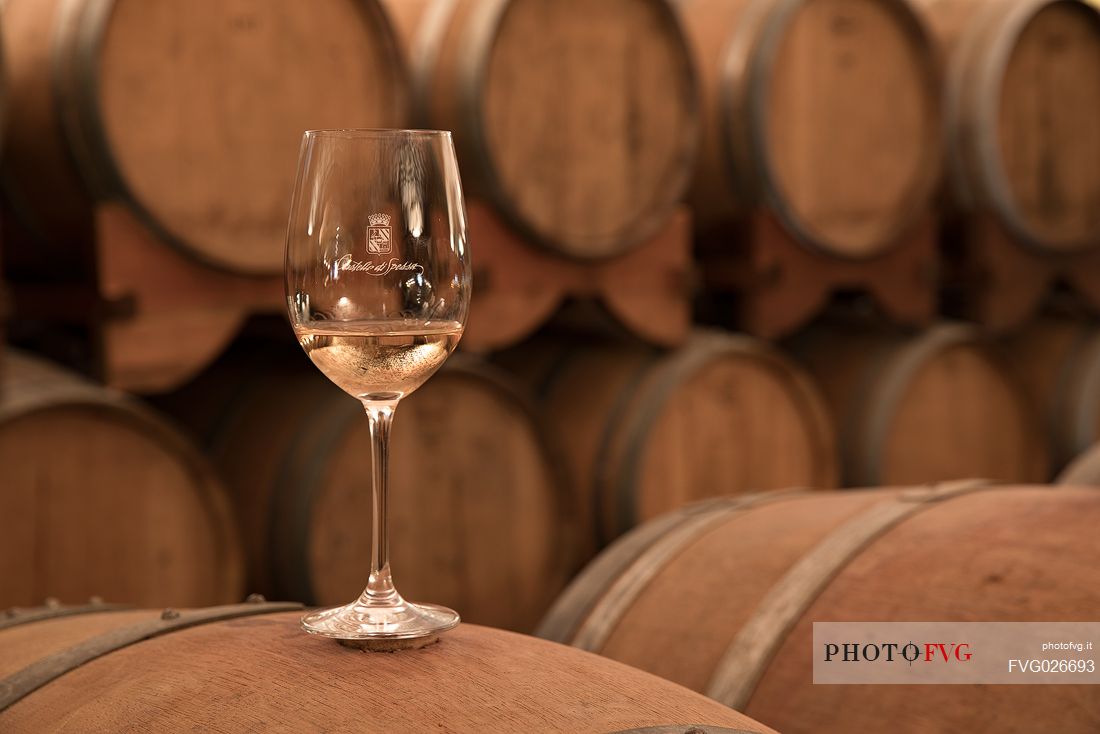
(768, 162)
(478, 512)
(1022, 101)
(1057, 360)
(911, 408)
(190, 113)
(1084, 470)
(900, 561)
(578, 120)
(646, 431)
(101, 497)
(825, 112)
(246, 666)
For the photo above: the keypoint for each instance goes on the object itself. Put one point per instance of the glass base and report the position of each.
(400, 620)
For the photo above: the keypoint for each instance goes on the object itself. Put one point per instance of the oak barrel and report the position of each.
(934, 405)
(1084, 470)
(1057, 360)
(1023, 97)
(825, 112)
(250, 667)
(645, 431)
(477, 509)
(191, 113)
(102, 497)
(759, 571)
(578, 120)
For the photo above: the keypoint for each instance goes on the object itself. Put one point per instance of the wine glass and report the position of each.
(378, 287)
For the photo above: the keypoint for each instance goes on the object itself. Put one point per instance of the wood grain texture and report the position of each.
(478, 515)
(265, 673)
(102, 497)
(30, 642)
(190, 113)
(574, 604)
(626, 572)
(577, 120)
(1012, 539)
(825, 111)
(680, 729)
(751, 652)
(47, 668)
(1023, 94)
(931, 406)
(721, 569)
(644, 432)
(1014, 566)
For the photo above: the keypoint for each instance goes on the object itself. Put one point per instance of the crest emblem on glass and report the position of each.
(378, 288)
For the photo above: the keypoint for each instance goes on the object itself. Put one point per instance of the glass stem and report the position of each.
(380, 590)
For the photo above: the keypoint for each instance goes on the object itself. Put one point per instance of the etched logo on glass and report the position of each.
(379, 240)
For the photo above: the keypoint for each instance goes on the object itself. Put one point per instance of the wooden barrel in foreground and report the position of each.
(757, 572)
(1058, 362)
(477, 510)
(826, 112)
(578, 120)
(1023, 98)
(645, 431)
(936, 405)
(250, 667)
(99, 496)
(190, 113)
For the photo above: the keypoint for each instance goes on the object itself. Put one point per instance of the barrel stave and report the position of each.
(104, 498)
(196, 143)
(934, 405)
(1034, 173)
(900, 562)
(264, 672)
(824, 113)
(644, 431)
(577, 121)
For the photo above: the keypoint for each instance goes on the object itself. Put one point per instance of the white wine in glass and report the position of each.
(378, 288)
(379, 358)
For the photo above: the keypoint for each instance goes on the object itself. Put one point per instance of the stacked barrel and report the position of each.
(821, 156)
(102, 497)
(192, 142)
(766, 569)
(825, 114)
(1021, 91)
(577, 122)
(147, 161)
(781, 308)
